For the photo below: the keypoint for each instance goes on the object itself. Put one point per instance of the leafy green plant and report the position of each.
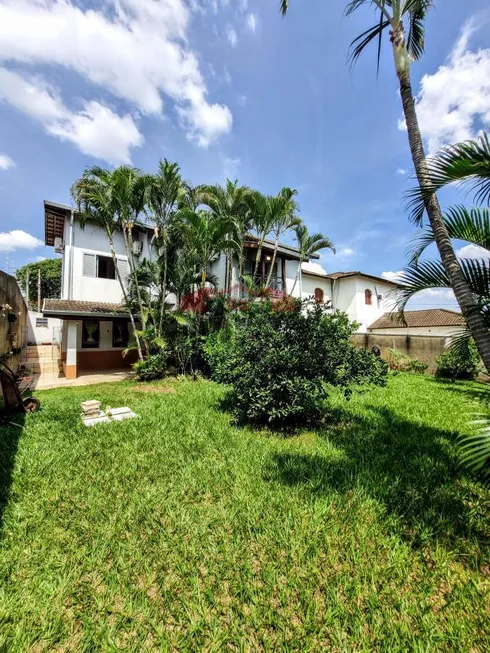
(460, 361)
(153, 367)
(475, 449)
(50, 272)
(279, 362)
(401, 362)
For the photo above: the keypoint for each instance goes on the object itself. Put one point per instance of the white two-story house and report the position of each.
(96, 327)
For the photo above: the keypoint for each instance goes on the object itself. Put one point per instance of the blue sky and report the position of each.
(229, 88)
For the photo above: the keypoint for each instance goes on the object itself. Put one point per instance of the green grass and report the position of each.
(180, 532)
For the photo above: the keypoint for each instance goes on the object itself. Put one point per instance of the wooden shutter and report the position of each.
(89, 262)
(123, 268)
(319, 295)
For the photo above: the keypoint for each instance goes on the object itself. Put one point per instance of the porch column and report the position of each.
(70, 364)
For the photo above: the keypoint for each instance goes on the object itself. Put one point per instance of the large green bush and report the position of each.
(460, 361)
(155, 366)
(279, 360)
(401, 362)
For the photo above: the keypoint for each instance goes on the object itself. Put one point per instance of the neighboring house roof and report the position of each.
(343, 275)
(431, 317)
(74, 308)
(358, 273)
(288, 251)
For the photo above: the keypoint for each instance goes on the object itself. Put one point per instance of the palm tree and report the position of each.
(472, 226)
(229, 203)
(309, 244)
(285, 219)
(206, 236)
(408, 46)
(267, 212)
(92, 194)
(129, 189)
(164, 191)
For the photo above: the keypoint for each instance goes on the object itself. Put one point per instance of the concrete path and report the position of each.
(52, 380)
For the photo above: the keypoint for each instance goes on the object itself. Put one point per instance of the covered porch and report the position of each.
(94, 337)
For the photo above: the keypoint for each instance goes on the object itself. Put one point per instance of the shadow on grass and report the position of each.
(10, 432)
(409, 469)
(475, 391)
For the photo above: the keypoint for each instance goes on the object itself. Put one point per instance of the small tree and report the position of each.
(50, 279)
(280, 359)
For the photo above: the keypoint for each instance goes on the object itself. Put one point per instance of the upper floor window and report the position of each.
(368, 297)
(95, 265)
(319, 295)
(105, 267)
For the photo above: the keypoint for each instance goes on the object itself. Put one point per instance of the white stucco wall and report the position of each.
(311, 282)
(419, 331)
(93, 240)
(43, 335)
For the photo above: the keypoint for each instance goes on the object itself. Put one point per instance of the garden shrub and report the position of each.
(460, 361)
(153, 367)
(401, 362)
(279, 361)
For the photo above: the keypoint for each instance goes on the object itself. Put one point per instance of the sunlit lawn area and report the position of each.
(178, 531)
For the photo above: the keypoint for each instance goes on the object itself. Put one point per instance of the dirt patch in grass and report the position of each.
(150, 387)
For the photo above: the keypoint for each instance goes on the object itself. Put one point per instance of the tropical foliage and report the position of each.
(48, 272)
(280, 360)
(404, 22)
(191, 226)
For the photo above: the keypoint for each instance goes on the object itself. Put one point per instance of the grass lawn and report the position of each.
(180, 532)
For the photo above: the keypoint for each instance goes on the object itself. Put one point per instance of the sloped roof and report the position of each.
(75, 308)
(430, 317)
(288, 251)
(343, 275)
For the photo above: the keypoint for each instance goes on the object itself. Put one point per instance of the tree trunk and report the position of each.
(464, 297)
(163, 289)
(296, 277)
(257, 259)
(128, 241)
(273, 262)
(125, 296)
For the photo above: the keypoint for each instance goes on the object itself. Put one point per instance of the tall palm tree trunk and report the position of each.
(257, 259)
(273, 262)
(298, 271)
(464, 297)
(125, 296)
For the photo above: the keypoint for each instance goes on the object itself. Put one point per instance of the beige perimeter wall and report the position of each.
(13, 335)
(425, 348)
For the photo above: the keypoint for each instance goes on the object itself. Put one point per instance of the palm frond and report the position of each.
(466, 163)
(359, 44)
(474, 450)
(284, 6)
(471, 225)
(417, 13)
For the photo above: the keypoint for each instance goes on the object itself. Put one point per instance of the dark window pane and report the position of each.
(105, 267)
(90, 334)
(119, 333)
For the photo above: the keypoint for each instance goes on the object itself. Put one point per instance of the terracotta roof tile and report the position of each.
(430, 317)
(67, 306)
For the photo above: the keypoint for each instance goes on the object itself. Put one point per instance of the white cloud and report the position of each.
(252, 22)
(230, 167)
(96, 130)
(242, 5)
(313, 267)
(346, 252)
(454, 102)
(392, 276)
(40, 258)
(473, 251)
(18, 239)
(232, 36)
(6, 162)
(401, 172)
(138, 50)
